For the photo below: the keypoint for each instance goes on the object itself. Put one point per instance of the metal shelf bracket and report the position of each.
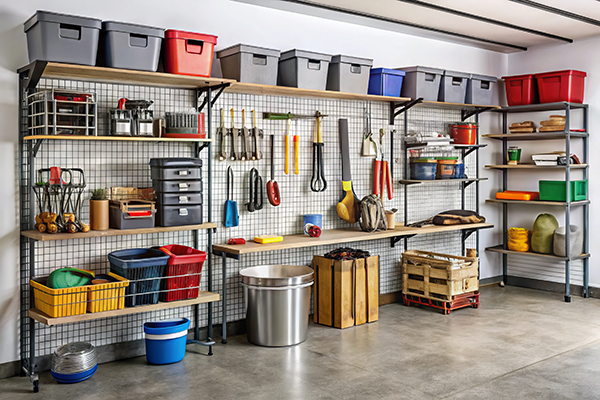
(399, 108)
(467, 232)
(396, 239)
(221, 87)
(32, 74)
(466, 114)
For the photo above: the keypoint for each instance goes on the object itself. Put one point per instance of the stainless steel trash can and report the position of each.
(277, 299)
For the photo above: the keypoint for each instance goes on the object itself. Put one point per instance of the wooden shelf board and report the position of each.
(455, 106)
(539, 202)
(338, 236)
(533, 166)
(203, 297)
(413, 146)
(560, 106)
(126, 76)
(47, 237)
(415, 181)
(535, 136)
(500, 249)
(113, 138)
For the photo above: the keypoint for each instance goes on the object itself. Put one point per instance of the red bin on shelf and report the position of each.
(520, 90)
(188, 53)
(182, 278)
(558, 86)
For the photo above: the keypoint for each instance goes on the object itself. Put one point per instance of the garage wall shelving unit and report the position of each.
(565, 136)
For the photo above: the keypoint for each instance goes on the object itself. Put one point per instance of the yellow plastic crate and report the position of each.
(58, 303)
(107, 296)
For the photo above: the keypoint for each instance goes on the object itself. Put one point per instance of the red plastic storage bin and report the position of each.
(561, 86)
(188, 53)
(182, 278)
(520, 90)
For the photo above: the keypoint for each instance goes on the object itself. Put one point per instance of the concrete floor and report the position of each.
(520, 344)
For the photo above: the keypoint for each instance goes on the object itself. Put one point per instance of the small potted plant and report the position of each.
(99, 210)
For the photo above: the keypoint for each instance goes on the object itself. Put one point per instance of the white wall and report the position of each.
(581, 55)
(233, 23)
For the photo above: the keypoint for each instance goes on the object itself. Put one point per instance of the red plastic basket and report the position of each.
(182, 279)
(520, 90)
(188, 53)
(561, 86)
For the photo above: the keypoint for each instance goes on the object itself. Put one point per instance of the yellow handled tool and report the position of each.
(287, 149)
(296, 151)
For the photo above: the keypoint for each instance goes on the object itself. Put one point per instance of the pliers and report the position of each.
(381, 175)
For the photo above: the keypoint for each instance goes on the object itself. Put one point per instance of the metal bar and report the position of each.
(406, 176)
(558, 11)
(586, 209)
(486, 20)
(463, 186)
(568, 202)
(31, 302)
(399, 108)
(34, 72)
(504, 205)
(209, 213)
(404, 23)
(477, 182)
(392, 163)
(224, 300)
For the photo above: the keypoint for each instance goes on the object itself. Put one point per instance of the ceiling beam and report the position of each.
(558, 11)
(404, 23)
(486, 20)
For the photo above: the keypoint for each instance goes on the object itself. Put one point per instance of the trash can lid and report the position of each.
(277, 275)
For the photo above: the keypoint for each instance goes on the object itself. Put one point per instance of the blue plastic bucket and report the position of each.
(165, 340)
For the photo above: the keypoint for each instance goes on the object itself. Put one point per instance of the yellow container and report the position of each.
(107, 296)
(266, 239)
(58, 303)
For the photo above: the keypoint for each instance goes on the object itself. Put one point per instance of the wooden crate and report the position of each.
(346, 292)
(438, 276)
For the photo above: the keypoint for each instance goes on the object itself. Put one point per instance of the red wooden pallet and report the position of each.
(458, 301)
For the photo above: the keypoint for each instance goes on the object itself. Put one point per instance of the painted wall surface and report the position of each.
(581, 55)
(234, 23)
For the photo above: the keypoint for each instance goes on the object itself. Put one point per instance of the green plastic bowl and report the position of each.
(68, 277)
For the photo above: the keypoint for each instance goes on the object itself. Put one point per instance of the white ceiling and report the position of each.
(506, 39)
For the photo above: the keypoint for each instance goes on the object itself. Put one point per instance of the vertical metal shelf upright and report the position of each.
(567, 136)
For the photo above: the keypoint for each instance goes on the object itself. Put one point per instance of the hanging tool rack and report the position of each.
(39, 332)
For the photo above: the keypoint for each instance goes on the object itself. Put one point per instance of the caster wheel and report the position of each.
(501, 284)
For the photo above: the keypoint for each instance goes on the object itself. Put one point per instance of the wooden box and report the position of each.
(438, 276)
(346, 292)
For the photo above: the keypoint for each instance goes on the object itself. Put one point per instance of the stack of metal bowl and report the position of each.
(74, 362)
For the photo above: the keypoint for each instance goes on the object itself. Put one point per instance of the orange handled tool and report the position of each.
(296, 157)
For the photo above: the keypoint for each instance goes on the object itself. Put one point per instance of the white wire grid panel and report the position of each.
(109, 164)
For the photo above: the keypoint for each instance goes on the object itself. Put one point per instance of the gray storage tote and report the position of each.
(62, 38)
(480, 89)
(131, 46)
(349, 74)
(303, 69)
(453, 88)
(421, 82)
(250, 64)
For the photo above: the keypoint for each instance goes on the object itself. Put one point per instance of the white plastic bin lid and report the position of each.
(304, 54)
(133, 28)
(484, 78)
(457, 74)
(62, 19)
(246, 48)
(427, 70)
(342, 59)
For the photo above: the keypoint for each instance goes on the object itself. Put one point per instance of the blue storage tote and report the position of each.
(166, 340)
(144, 268)
(386, 82)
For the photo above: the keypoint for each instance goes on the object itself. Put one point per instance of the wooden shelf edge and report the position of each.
(114, 138)
(533, 166)
(203, 297)
(47, 237)
(500, 249)
(534, 136)
(417, 181)
(443, 104)
(539, 202)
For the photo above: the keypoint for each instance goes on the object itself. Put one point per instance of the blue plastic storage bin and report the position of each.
(144, 268)
(423, 169)
(165, 340)
(386, 82)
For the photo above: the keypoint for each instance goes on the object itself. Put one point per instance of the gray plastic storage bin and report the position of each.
(131, 46)
(303, 69)
(250, 64)
(62, 38)
(349, 74)
(480, 89)
(176, 168)
(120, 220)
(179, 215)
(421, 82)
(453, 88)
(174, 199)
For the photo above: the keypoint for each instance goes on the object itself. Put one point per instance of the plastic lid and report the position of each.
(133, 28)
(424, 160)
(563, 72)
(418, 68)
(488, 78)
(175, 162)
(304, 54)
(246, 48)
(525, 76)
(48, 16)
(351, 60)
(464, 124)
(174, 34)
(387, 71)
(456, 74)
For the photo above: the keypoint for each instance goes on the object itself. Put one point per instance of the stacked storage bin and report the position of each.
(178, 186)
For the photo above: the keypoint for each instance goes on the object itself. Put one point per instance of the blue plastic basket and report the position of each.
(144, 268)
(166, 340)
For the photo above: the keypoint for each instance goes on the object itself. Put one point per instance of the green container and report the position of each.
(556, 190)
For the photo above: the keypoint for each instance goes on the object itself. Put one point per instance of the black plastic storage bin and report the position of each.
(176, 199)
(179, 215)
(421, 82)
(130, 46)
(349, 74)
(62, 38)
(178, 186)
(131, 214)
(480, 89)
(303, 69)
(453, 88)
(250, 64)
(144, 268)
(176, 168)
